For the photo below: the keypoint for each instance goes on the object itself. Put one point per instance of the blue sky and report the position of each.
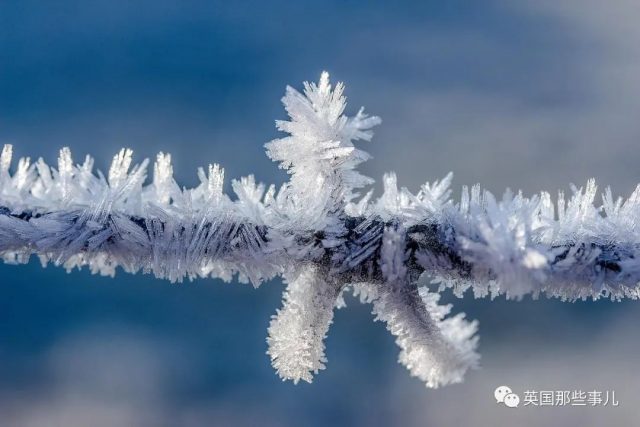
(541, 81)
(525, 94)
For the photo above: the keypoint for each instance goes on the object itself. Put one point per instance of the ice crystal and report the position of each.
(324, 239)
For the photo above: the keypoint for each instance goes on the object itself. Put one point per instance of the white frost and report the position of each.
(322, 238)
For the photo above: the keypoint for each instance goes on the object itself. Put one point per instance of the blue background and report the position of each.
(530, 95)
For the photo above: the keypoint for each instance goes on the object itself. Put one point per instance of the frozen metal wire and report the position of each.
(324, 239)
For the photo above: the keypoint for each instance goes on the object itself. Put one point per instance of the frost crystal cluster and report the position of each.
(324, 238)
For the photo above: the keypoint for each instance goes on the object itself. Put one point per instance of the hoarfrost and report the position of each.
(323, 239)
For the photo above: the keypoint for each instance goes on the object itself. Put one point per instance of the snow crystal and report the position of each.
(323, 239)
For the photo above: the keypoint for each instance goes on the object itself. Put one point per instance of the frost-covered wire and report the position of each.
(324, 238)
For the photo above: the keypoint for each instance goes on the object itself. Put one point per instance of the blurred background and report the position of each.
(530, 95)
